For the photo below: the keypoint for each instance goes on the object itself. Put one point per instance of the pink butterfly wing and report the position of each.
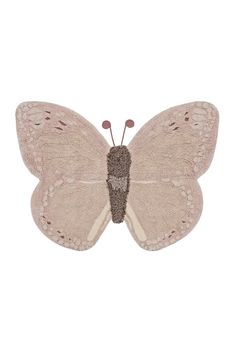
(168, 154)
(70, 204)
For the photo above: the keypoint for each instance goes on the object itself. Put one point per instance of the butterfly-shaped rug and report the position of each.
(151, 183)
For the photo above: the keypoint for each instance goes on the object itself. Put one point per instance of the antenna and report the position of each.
(129, 123)
(107, 125)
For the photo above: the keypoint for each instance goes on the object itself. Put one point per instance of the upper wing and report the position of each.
(56, 140)
(179, 141)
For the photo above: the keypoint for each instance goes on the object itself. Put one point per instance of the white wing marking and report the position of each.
(102, 218)
(133, 223)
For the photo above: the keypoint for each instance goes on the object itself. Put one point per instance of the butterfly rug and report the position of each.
(151, 184)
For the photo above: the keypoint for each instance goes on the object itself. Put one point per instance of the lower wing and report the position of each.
(73, 213)
(159, 213)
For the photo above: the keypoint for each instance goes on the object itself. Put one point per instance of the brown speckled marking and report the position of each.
(62, 123)
(118, 163)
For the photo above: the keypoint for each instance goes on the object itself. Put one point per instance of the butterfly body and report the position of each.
(118, 180)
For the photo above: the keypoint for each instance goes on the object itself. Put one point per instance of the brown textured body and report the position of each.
(118, 164)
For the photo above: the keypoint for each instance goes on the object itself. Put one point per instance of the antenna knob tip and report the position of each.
(106, 124)
(130, 123)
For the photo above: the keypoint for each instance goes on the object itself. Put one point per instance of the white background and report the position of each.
(117, 60)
